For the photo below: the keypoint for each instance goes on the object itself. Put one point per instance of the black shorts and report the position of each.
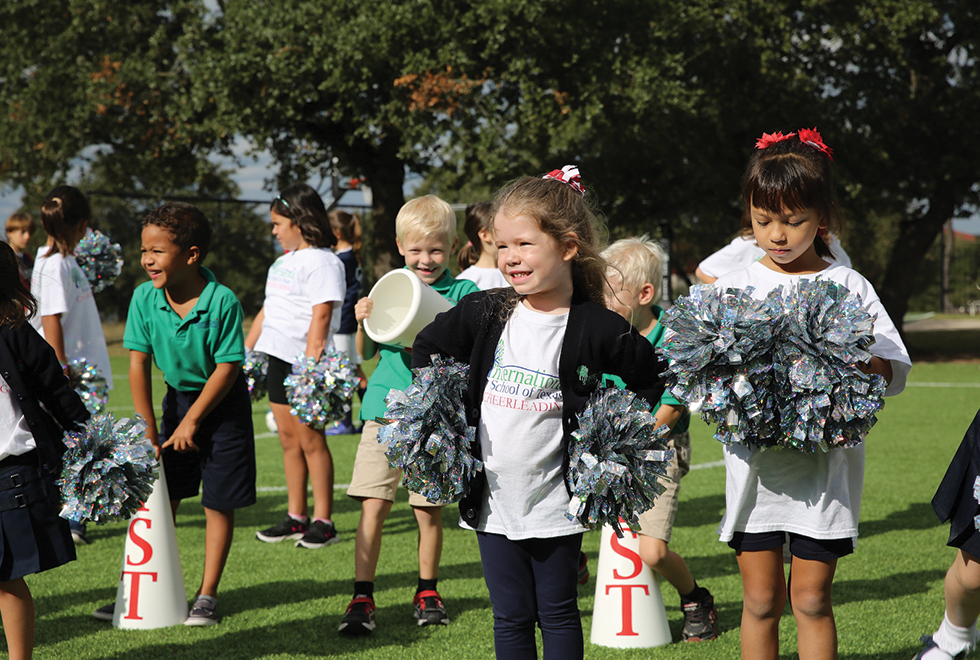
(225, 462)
(800, 546)
(278, 371)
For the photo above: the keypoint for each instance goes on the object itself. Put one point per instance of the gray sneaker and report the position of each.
(204, 612)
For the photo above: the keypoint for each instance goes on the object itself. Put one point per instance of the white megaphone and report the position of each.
(628, 610)
(403, 305)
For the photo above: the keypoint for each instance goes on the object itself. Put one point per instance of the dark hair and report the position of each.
(477, 219)
(186, 223)
(304, 208)
(349, 228)
(562, 213)
(16, 301)
(20, 220)
(63, 209)
(793, 175)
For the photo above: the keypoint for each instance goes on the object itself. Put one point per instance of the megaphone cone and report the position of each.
(403, 305)
(629, 610)
(151, 590)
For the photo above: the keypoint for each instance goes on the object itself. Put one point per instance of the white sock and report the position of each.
(953, 639)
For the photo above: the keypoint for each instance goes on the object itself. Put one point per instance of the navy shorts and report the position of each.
(278, 370)
(800, 546)
(225, 462)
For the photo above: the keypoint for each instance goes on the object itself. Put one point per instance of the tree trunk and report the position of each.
(385, 174)
(915, 237)
(949, 241)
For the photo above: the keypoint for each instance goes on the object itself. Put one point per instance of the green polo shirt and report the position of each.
(394, 370)
(656, 337)
(186, 350)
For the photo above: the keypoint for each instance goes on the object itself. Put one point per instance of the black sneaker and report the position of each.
(319, 535)
(204, 612)
(359, 618)
(105, 613)
(700, 619)
(930, 644)
(287, 528)
(429, 609)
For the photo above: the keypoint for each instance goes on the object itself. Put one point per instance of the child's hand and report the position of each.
(878, 366)
(182, 439)
(362, 309)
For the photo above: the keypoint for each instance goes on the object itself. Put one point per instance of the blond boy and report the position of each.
(635, 270)
(19, 228)
(425, 230)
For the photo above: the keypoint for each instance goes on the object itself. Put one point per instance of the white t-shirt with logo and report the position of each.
(521, 432)
(15, 435)
(61, 287)
(298, 281)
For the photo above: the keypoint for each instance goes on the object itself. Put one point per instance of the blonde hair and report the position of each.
(638, 260)
(562, 213)
(426, 216)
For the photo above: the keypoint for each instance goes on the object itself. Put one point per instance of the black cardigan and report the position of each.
(954, 499)
(596, 342)
(31, 368)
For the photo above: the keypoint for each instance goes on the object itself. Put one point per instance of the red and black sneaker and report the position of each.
(359, 618)
(700, 619)
(429, 609)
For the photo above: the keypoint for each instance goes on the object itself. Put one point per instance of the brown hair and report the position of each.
(304, 208)
(793, 175)
(478, 218)
(20, 221)
(186, 223)
(16, 302)
(348, 226)
(62, 211)
(562, 213)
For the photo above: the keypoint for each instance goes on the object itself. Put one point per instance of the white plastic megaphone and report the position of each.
(151, 587)
(629, 610)
(403, 305)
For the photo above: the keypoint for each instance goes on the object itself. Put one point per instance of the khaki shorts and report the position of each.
(372, 476)
(658, 522)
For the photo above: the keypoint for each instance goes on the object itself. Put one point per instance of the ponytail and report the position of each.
(63, 210)
(349, 228)
(477, 219)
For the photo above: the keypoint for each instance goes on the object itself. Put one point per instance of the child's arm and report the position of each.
(316, 338)
(255, 330)
(55, 335)
(879, 366)
(669, 415)
(141, 388)
(366, 347)
(215, 389)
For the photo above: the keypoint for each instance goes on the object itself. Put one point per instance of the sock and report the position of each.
(211, 600)
(696, 594)
(363, 589)
(301, 519)
(954, 639)
(324, 520)
(426, 585)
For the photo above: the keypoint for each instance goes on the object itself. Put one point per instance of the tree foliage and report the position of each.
(659, 102)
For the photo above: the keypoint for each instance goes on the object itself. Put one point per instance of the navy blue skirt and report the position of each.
(33, 537)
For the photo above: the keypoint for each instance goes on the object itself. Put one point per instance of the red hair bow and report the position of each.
(769, 139)
(811, 137)
(569, 175)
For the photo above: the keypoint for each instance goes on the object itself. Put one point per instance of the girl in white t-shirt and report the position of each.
(478, 258)
(536, 350)
(67, 316)
(303, 295)
(813, 499)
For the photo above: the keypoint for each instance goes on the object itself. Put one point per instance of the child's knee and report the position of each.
(763, 603)
(653, 551)
(811, 603)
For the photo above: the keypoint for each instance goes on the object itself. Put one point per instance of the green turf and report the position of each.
(278, 601)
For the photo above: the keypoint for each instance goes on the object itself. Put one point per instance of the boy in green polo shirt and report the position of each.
(635, 270)
(425, 230)
(191, 326)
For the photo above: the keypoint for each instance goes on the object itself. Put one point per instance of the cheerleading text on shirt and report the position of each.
(522, 389)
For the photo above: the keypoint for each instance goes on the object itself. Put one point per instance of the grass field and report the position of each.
(278, 601)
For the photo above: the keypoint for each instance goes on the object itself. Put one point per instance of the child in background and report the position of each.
(20, 227)
(67, 316)
(478, 258)
(191, 326)
(635, 270)
(789, 203)
(303, 295)
(551, 328)
(33, 538)
(956, 502)
(347, 230)
(425, 230)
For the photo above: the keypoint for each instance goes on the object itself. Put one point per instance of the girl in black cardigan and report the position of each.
(536, 353)
(33, 538)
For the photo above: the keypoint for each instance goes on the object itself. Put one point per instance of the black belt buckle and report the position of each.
(20, 500)
(16, 481)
